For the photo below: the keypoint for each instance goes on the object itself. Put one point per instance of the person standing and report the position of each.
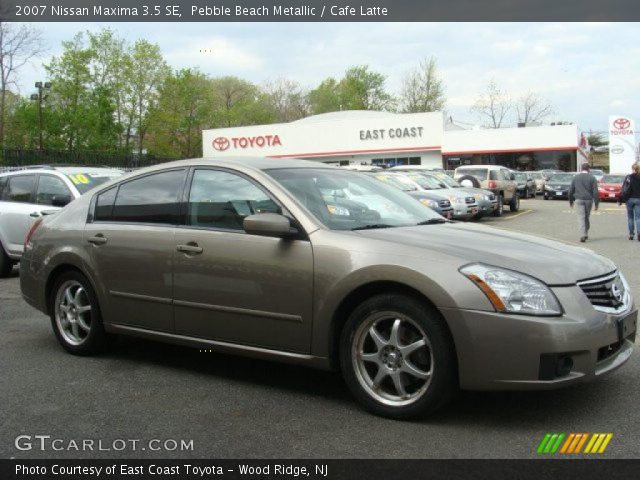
(584, 193)
(631, 196)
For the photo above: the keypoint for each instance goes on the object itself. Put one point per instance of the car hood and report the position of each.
(560, 184)
(430, 194)
(552, 262)
(609, 185)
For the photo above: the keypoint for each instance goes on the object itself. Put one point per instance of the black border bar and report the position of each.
(318, 10)
(542, 469)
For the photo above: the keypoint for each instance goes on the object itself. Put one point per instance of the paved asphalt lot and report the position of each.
(233, 407)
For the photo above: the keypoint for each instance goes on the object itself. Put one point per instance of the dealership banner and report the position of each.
(318, 469)
(317, 10)
(622, 144)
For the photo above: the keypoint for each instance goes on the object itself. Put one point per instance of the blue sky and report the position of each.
(586, 70)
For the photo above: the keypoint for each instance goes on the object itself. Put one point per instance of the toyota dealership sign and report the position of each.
(622, 150)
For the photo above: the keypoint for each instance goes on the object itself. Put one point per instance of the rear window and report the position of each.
(613, 179)
(479, 173)
(86, 181)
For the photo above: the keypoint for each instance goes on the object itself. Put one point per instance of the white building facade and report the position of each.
(370, 138)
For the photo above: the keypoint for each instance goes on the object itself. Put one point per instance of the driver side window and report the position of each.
(221, 200)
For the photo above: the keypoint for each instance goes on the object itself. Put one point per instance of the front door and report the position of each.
(232, 286)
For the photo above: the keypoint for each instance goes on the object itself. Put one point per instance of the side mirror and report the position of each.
(60, 200)
(512, 176)
(268, 225)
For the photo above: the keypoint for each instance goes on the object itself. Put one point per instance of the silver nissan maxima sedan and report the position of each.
(246, 256)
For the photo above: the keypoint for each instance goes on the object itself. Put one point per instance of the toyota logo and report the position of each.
(617, 293)
(220, 143)
(621, 123)
(617, 149)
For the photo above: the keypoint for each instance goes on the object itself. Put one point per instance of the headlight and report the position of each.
(429, 203)
(513, 292)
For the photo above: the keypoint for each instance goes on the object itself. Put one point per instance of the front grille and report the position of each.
(469, 200)
(606, 293)
(444, 203)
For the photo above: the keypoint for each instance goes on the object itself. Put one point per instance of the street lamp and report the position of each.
(40, 97)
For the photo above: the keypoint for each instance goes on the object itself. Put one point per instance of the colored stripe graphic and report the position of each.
(573, 443)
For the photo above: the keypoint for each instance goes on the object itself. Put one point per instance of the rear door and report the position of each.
(131, 242)
(17, 211)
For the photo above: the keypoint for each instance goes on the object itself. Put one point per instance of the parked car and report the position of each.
(495, 178)
(597, 173)
(558, 185)
(465, 206)
(547, 172)
(539, 178)
(438, 202)
(487, 201)
(28, 194)
(526, 184)
(242, 256)
(610, 186)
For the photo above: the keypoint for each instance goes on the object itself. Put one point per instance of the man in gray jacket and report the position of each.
(584, 193)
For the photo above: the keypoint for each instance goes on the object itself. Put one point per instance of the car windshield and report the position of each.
(522, 177)
(613, 179)
(344, 200)
(479, 173)
(445, 179)
(86, 181)
(399, 181)
(536, 175)
(561, 177)
(428, 182)
(597, 172)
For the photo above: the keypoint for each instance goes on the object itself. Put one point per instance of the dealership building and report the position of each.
(376, 138)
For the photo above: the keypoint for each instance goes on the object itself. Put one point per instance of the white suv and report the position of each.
(28, 194)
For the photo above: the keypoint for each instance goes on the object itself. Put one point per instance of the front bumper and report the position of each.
(513, 352)
(465, 211)
(606, 195)
(557, 193)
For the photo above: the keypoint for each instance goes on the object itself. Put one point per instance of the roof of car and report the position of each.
(64, 170)
(257, 163)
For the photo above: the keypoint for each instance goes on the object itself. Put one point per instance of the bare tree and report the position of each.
(422, 90)
(494, 104)
(287, 99)
(19, 43)
(531, 107)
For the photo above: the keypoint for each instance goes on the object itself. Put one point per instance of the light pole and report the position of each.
(40, 97)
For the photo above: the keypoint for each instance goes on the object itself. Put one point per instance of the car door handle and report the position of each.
(190, 248)
(97, 240)
(34, 214)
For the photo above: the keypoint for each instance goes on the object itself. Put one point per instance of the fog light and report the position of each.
(564, 366)
(554, 365)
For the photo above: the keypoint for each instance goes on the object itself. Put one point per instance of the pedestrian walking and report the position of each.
(584, 193)
(630, 195)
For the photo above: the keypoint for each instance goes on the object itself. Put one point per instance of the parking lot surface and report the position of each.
(234, 407)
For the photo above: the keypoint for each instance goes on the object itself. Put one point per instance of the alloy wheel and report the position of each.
(73, 312)
(392, 358)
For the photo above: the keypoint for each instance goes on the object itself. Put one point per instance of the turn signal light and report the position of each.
(32, 230)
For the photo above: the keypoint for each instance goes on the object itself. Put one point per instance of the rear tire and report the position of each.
(6, 264)
(500, 210)
(75, 315)
(514, 204)
(397, 357)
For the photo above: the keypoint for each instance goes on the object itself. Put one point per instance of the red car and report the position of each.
(610, 186)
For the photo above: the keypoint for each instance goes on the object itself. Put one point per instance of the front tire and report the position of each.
(397, 357)
(75, 315)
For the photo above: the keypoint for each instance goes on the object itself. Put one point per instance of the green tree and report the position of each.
(185, 107)
(326, 97)
(422, 89)
(145, 72)
(287, 100)
(238, 102)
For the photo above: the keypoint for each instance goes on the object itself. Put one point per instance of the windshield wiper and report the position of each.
(433, 221)
(372, 226)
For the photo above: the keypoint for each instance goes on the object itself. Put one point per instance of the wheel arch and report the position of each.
(55, 274)
(359, 295)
